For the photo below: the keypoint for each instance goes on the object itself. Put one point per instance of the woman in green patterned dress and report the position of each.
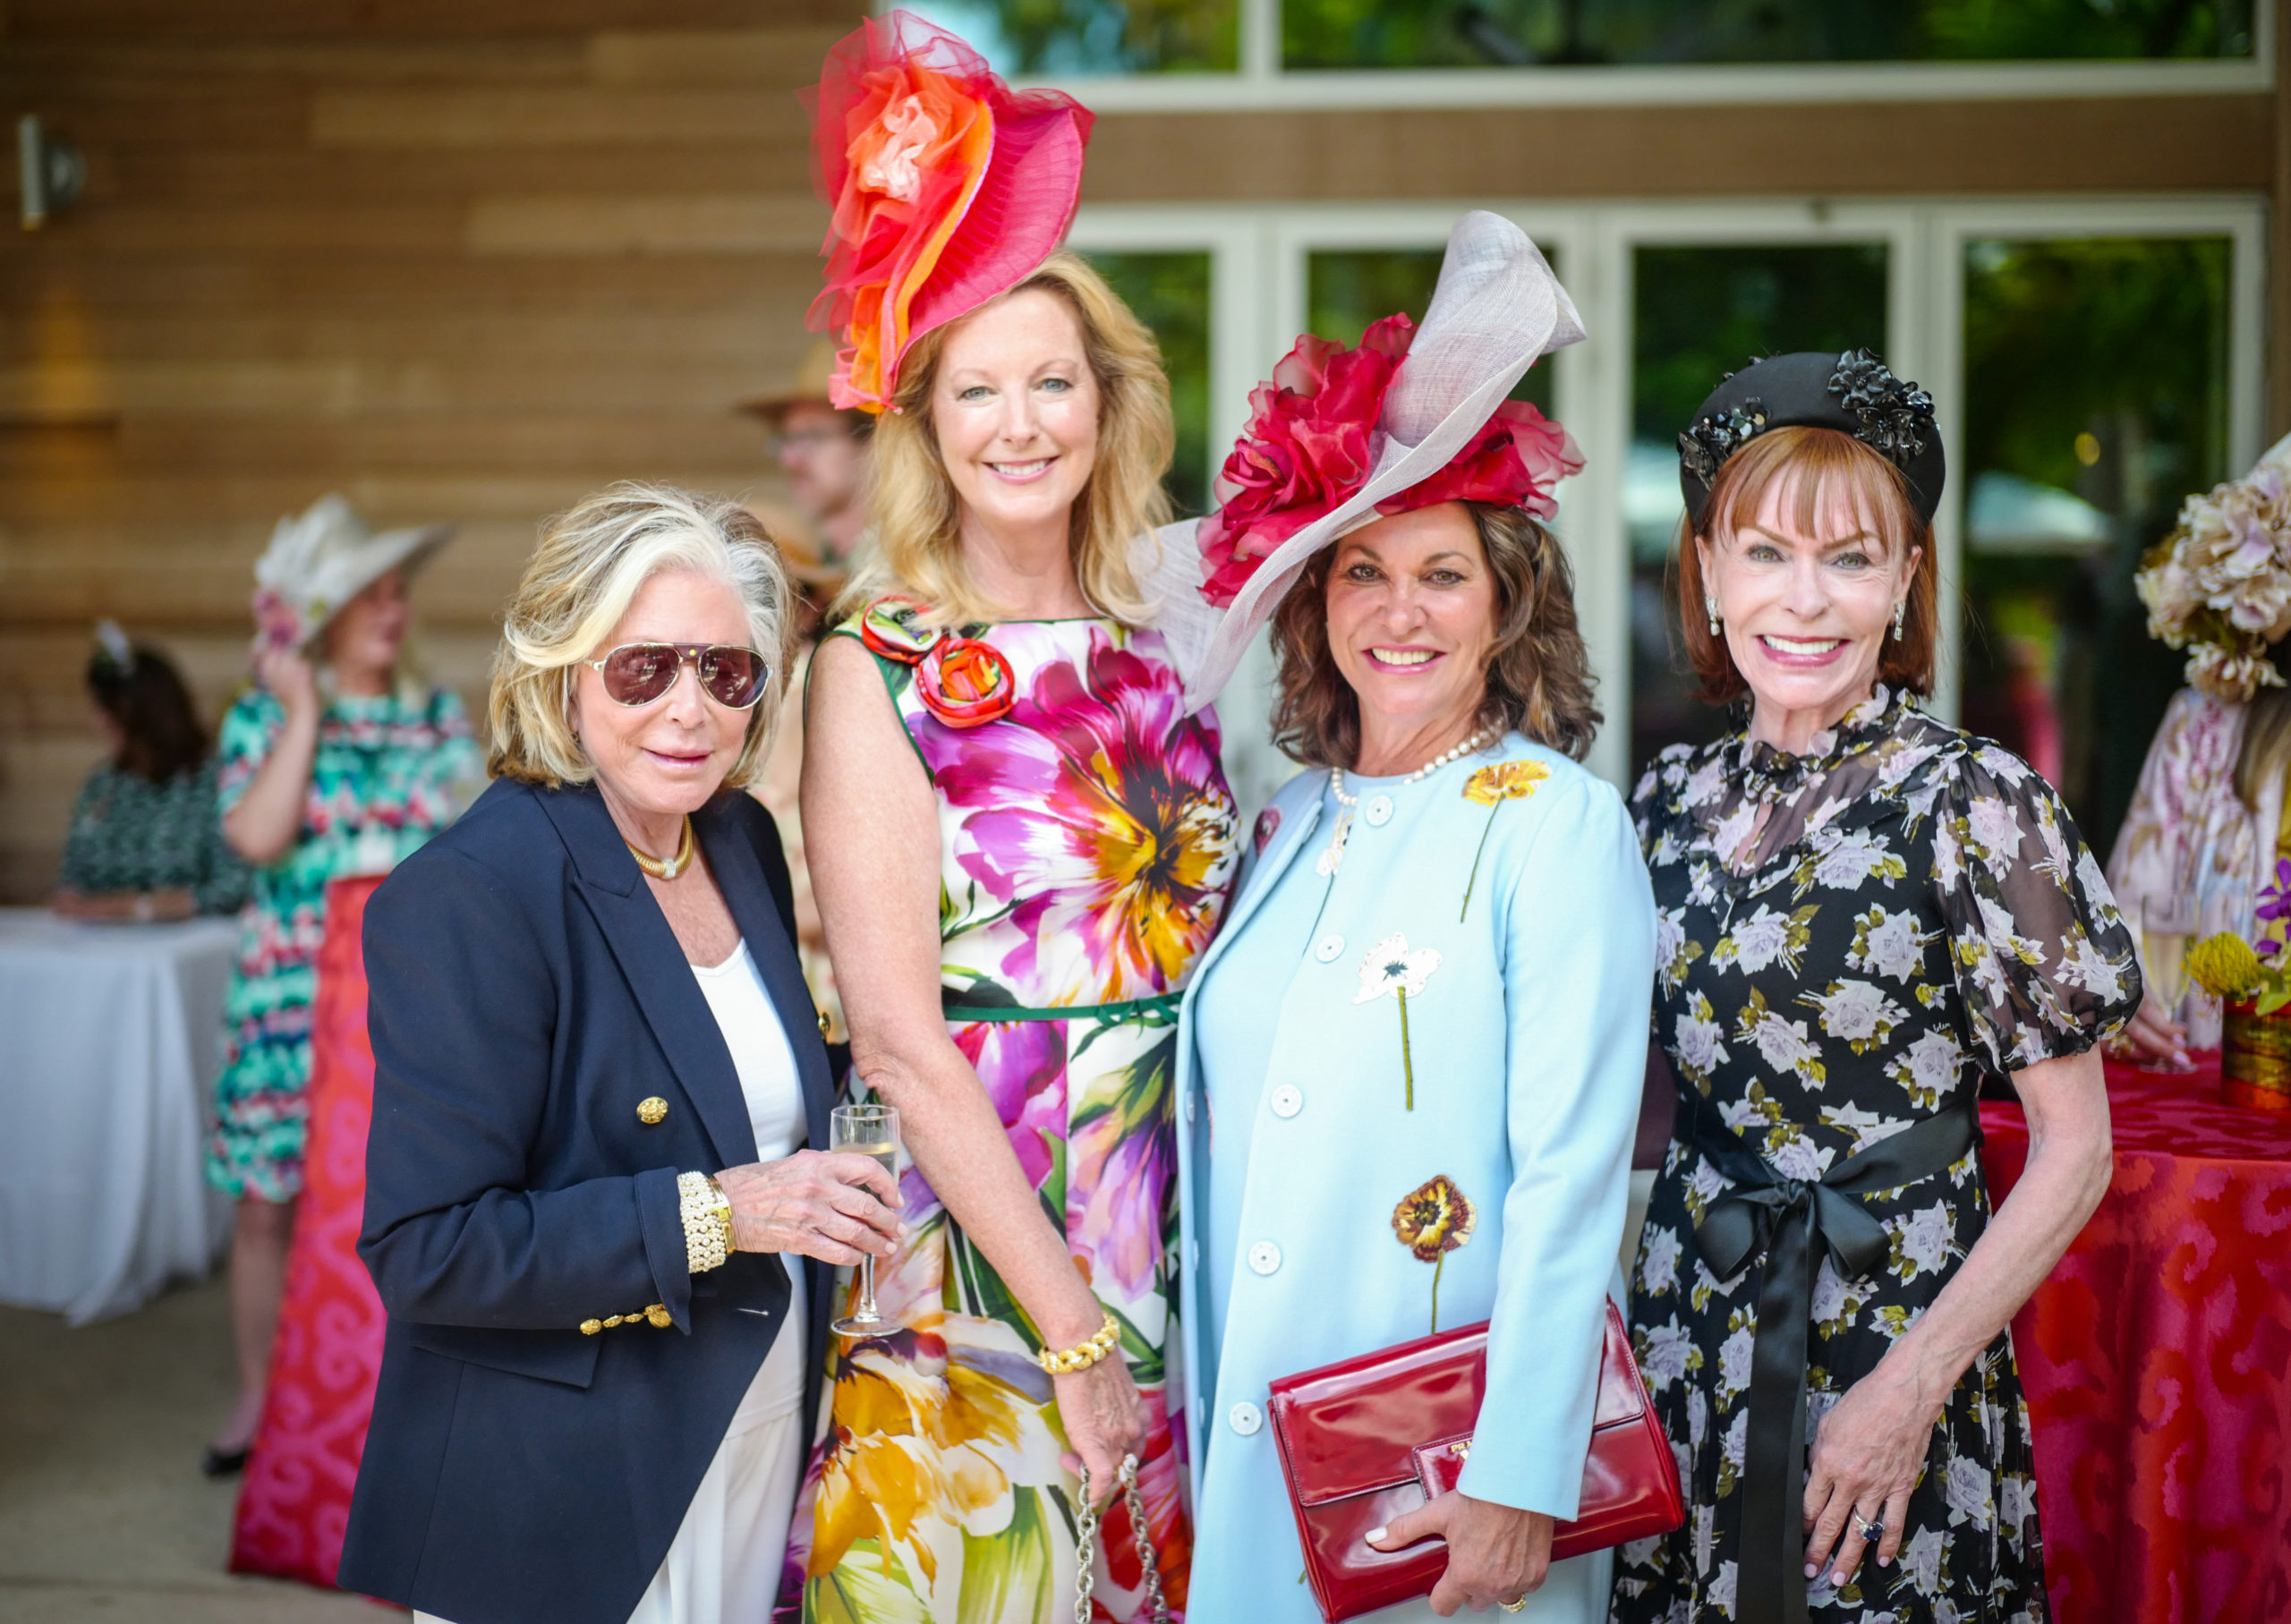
(339, 761)
(146, 842)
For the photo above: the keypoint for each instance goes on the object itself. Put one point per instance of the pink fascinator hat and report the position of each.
(948, 188)
(1339, 438)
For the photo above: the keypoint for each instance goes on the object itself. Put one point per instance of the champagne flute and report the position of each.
(866, 1130)
(2166, 926)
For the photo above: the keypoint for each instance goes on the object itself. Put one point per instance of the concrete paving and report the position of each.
(103, 1517)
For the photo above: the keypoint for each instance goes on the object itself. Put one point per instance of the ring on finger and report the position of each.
(1871, 1529)
(1514, 1605)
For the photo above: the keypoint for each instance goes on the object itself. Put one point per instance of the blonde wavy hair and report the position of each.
(587, 570)
(918, 546)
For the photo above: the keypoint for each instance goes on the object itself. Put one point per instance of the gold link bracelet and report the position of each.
(1082, 1355)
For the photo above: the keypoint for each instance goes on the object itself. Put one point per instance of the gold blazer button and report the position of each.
(653, 1112)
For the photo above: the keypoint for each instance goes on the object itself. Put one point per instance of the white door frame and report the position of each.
(1259, 254)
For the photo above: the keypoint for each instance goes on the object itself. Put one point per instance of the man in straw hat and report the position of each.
(822, 450)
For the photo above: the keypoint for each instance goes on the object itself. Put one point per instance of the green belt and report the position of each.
(952, 1004)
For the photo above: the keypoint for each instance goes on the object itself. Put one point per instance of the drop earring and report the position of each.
(1710, 606)
(1901, 613)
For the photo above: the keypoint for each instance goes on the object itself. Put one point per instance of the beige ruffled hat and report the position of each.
(319, 559)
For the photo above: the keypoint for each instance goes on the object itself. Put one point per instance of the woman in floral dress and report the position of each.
(1864, 913)
(1021, 846)
(337, 762)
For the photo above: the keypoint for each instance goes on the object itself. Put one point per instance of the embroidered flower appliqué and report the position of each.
(1431, 1221)
(1491, 787)
(1391, 967)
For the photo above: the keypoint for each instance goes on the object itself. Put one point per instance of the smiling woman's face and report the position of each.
(1015, 408)
(1411, 618)
(1806, 612)
(669, 755)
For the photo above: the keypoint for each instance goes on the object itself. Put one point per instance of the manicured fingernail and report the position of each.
(1885, 1561)
(1811, 1568)
(1837, 1580)
(1375, 1534)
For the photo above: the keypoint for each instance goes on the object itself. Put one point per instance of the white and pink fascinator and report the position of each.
(1339, 438)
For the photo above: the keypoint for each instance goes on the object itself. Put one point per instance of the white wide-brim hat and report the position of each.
(320, 560)
(1498, 310)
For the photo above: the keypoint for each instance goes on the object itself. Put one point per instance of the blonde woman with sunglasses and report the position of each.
(590, 1212)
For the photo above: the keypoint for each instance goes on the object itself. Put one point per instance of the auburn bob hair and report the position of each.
(1827, 470)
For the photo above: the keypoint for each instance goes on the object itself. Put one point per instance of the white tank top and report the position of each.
(766, 1065)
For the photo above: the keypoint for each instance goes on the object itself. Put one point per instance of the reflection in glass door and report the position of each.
(2096, 390)
(1697, 313)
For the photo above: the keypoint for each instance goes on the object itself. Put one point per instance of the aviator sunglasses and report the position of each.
(638, 673)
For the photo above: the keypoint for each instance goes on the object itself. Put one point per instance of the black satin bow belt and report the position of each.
(1788, 1220)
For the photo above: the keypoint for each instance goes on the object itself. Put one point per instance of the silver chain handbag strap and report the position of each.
(1086, 1577)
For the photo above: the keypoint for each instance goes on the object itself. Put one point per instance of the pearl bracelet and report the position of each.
(707, 1217)
(1082, 1355)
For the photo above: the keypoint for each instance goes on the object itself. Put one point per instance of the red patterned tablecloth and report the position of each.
(2158, 1363)
(295, 1502)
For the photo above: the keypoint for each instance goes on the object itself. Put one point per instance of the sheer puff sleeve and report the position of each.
(2043, 961)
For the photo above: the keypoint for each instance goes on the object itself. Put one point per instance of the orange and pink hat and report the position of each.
(949, 188)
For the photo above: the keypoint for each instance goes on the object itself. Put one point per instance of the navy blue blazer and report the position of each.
(526, 994)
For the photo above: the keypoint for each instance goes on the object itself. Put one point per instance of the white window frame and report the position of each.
(1263, 83)
(1259, 254)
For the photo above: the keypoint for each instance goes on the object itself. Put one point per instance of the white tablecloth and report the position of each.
(110, 1038)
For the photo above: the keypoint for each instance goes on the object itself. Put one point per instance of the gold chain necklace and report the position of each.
(665, 868)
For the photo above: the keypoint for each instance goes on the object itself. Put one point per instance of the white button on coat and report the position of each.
(1328, 948)
(1378, 810)
(1265, 1257)
(1287, 1102)
(1246, 1418)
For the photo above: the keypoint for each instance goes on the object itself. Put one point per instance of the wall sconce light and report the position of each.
(50, 173)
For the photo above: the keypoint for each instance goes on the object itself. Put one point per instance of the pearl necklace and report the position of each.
(1471, 746)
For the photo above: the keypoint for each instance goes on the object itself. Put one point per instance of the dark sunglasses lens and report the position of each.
(733, 676)
(640, 673)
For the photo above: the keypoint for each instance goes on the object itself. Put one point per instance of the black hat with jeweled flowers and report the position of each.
(1854, 392)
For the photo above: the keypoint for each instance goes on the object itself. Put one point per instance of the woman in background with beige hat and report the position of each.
(338, 760)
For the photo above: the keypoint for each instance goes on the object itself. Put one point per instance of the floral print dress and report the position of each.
(390, 772)
(1911, 909)
(1087, 847)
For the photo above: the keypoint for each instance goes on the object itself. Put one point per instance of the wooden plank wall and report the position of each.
(459, 261)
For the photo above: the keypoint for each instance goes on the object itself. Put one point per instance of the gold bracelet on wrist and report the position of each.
(1082, 1355)
(707, 1221)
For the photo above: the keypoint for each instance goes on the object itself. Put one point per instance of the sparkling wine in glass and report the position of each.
(2165, 928)
(866, 1130)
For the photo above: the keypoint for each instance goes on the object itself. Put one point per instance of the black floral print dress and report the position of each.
(1909, 909)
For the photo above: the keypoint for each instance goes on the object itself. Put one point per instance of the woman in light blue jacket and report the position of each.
(1411, 1062)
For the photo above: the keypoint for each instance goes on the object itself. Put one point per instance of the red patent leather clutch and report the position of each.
(1366, 1439)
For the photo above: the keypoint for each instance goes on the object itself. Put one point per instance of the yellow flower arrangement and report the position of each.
(2225, 967)
(1491, 787)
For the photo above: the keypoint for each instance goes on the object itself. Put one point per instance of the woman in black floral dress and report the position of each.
(1864, 912)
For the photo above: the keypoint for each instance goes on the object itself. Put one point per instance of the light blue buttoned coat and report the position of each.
(1529, 1046)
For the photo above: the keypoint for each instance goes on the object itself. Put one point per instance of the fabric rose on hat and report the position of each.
(1313, 442)
(1308, 448)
